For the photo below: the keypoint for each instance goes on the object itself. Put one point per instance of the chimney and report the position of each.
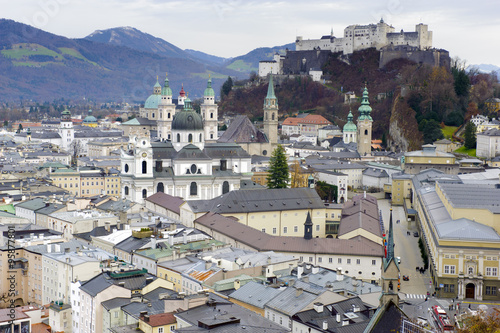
(49, 248)
(107, 226)
(171, 240)
(153, 242)
(338, 317)
(40, 236)
(364, 194)
(345, 322)
(298, 292)
(305, 279)
(340, 277)
(208, 264)
(184, 237)
(66, 250)
(237, 284)
(300, 271)
(325, 325)
(146, 318)
(315, 270)
(318, 307)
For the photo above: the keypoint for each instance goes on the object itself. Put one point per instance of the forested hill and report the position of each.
(410, 102)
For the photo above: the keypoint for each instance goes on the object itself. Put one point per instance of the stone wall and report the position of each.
(434, 57)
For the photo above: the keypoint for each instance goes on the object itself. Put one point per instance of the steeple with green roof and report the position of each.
(209, 91)
(350, 126)
(271, 113)
(271, 99)
(166, 91)
(365, 109)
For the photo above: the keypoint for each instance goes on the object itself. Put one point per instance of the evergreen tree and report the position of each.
(278, 169)
(470, 136)
(226, 87)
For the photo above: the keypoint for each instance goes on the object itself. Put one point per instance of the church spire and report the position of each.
(365, 108)
(308, 226)
(270, 93)
(166, 91)
(390, 241)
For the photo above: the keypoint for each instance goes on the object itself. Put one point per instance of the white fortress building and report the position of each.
(359, 37)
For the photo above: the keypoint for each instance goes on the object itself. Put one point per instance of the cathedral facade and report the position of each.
(186, 159)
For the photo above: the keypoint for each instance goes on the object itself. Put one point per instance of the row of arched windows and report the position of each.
(190, 137)
(193, 189)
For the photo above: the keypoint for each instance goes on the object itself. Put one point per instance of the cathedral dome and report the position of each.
(90, 119)
(350, 126)
(152, 101)
(188, 119)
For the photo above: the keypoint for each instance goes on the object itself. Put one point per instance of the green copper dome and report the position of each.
(188, 119)
(365, 108)
(209, 91)
(166, 91)
(152, 102)
(350, 126)
(90, 119)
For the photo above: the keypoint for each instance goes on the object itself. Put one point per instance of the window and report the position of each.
(317, 227)
(126, 190)
(449, 288)
(144, 193)
(491, 271)
(274, 231)
(178, 137)
(160, 188)
(339, 260)
(348, 261)
(491, 290)
(470, 270)
(374, 262)
(193, 189)
(450, 269)
(263, 229)
(295, 229)
(225, 187)
(320, 259)
(190, 138)
(285, 230)
(144, 167)
(310, 259)
(358, 261)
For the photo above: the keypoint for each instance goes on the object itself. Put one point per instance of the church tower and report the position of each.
(390, 271)
(271, 113)
(365, 126)
(66, 131)
(350, 130)
(166, 111)
(209, 112)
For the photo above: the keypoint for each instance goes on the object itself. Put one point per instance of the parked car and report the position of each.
(406, 278)
(415, 234)
(398, 260)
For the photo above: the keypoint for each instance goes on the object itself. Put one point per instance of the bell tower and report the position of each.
(390, 271)
(209, 112)
(166, 111)
(271, 113)
(365, 126)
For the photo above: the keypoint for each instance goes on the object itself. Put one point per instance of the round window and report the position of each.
(193, 168)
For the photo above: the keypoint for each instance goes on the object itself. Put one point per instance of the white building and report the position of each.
(488, 143)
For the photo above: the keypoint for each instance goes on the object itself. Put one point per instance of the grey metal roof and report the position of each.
(259, 201)
(191, 152)
(241, 130)
(468, 230)
(342, 282)
(102, 281)
(134, 309)
(114, 303)
(472, 196)
(289, 303)
(130, 244)
(33, 204)
(376, 173)
(255, 294)
(225, 150)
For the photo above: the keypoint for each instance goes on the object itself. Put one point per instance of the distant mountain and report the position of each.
(138, 40)
(37, 65)
(486, 68)
(204, 57)
(250, 61)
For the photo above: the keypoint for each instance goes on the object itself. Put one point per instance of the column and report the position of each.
(460, 262)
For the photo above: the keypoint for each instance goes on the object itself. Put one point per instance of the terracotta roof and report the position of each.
(201, 276)
(166, 201)
(5, 315)
(160, 319)
(311, 119)
(40, 328)
(261, 241)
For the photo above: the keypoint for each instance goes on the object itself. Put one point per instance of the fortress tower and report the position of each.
(271, 114)
(365, 126)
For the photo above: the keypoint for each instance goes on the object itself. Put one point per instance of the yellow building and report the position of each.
(157, 323)
(460, 227)
(401, 188)
(492, 104)
(68, 179)
(90, 120)
(277, 212)
(415, 161)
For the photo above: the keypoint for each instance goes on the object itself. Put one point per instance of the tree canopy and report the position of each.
(278, 169)
(470, 136)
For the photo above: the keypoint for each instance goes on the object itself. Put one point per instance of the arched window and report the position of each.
(168, 137)
(366, 132)
(168, 115)
(126, 190)
(160, 188)
(144, 167)
(225, 187)
(272, 116)
(126, 167)
(190, 138)
(193, 189)
(178, 137)
(144, 194)
(152, 115)
(211, 114)
(200, 137)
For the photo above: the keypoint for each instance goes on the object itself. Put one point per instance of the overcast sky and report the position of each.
(229, 28)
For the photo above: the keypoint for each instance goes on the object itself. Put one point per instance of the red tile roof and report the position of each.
(160, 319)
(310, 119)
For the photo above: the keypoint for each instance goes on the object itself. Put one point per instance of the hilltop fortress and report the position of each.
(360, 37)
(311, 54)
